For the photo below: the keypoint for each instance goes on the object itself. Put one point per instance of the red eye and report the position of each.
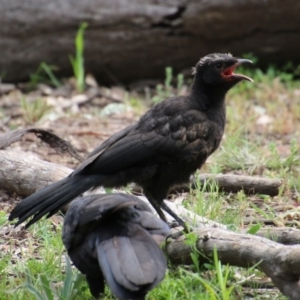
(218, 66)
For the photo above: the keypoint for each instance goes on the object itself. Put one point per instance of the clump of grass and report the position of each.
(78, 61)
(241, 153)
(184, 284)
(41, 270)
(34, 110)
(44, 74)
(43, 288)
(288, 162)
(208, 201)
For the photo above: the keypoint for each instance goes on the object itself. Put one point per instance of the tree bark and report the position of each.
(281, 235)
(131, 39)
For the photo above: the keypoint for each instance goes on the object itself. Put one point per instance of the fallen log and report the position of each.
(281, 235)
(36, 173)
(281, 263)
(23, 173)
(129, 33)
(231, 183)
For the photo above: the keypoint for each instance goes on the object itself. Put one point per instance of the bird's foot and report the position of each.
(173, 224)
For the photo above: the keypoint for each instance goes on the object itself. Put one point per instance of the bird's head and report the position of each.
(218, 69)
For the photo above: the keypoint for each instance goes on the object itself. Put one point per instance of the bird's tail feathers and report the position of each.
(131, 265)
(51, 198)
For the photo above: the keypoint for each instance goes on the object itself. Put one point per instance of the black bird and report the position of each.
(114, 238)
(168, 144)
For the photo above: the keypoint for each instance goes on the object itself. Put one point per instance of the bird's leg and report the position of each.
(159, 211)
(171, 213)
(156, 206)
(162, 205)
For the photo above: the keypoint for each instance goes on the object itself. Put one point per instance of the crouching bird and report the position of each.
(167, 145)
(114, 238)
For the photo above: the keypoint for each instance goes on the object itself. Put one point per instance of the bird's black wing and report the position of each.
(164, 140)
(111, 140)
(88, 209)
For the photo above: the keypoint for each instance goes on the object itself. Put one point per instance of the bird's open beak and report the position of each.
(228, 72)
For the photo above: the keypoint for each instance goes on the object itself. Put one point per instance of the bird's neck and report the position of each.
(208, 96)
(210, 99)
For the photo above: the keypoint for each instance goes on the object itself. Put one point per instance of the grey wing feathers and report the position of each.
(131, 264)
(132, 146)
(110, 141)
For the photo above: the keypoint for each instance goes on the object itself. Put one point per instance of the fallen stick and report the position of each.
(230, 183)
(30, 166)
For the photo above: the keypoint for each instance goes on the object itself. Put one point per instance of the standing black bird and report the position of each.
(114, 238)
(168, 144)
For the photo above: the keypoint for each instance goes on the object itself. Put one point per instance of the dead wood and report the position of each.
(23, 173)
(272, 222)
(281, 235)
(123, 35)
(235, 183)
(58, 144)
(280, 262)
(231, 183)
(226, 182)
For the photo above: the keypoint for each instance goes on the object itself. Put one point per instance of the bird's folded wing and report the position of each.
(153, 224)
(129, 150)
(111, 140)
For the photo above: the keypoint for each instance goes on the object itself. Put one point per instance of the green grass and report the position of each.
(40, 270)
(78, 61)
(167, 90)
(44, 74)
